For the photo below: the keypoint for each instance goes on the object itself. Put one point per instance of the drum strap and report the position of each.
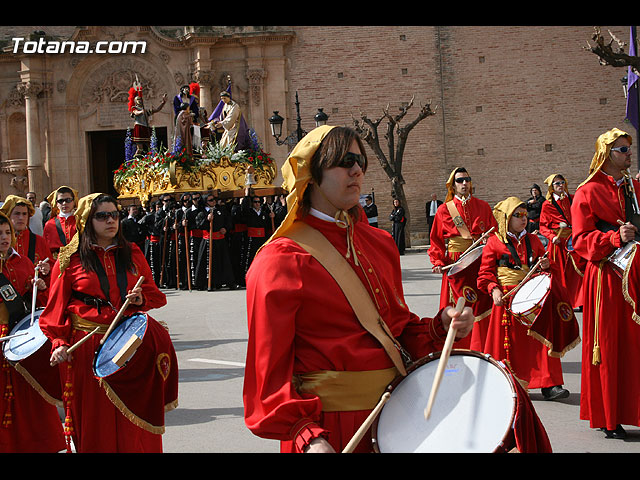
(13, 301)
(63, 238)
(121, 278)
(516, 258)
(322, 250)
(457, 220)
(31, 252)
(559, 208)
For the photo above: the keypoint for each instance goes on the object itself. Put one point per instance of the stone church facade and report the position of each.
(513, 104)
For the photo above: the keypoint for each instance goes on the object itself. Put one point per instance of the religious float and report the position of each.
(222, 168)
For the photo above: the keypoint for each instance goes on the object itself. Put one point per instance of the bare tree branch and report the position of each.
(610, 55)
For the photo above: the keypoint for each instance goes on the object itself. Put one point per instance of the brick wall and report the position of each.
(515, 104)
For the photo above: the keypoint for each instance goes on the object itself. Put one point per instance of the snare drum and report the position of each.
(466, 260)
(29, 351)
(527, 302)
(622, 256)
(473, 412)
(120, 346)
(27, 338)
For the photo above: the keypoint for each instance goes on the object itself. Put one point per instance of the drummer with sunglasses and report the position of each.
(556, 226)
(96, 274)
(508, 256)
(313, 372)
(61, 227)
(605, 220)
(29, 419)
(459, 222)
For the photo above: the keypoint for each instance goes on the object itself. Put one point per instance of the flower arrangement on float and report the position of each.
(217, 167)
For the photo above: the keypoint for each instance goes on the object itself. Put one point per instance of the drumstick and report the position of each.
(33, 295)
(82, 340)
(531, 272)
(444, 357)
(473, 245)
(9, 337)
(366, 424)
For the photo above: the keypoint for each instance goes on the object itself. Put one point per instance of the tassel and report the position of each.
(66, 398)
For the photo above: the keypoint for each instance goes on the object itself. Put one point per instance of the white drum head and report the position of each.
(472, 413)
(530, 294)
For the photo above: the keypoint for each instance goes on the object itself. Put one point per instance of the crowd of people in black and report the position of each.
(197, 241)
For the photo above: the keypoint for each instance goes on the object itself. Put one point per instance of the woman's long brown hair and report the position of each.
(88, 256)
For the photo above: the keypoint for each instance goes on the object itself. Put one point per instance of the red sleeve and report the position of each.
(437, 249)
(547, 217)
(272, 406)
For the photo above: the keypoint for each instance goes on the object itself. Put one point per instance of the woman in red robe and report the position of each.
(30, 420)
(507, 258)
(611, 348)
(98, 420)
(556, 226)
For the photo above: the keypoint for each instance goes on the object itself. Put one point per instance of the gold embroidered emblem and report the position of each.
(163, 363)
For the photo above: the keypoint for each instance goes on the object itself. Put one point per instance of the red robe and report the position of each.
(300, 321)
(478, 217)
(569, 265)
(508, 339)
(51, 235)
(298, 326)
(98, 425)
(610, 392)
(34, 423)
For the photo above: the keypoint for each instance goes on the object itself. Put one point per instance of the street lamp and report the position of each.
(276, 121)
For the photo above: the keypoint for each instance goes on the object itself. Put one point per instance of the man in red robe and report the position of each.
(61, 227)
(555, 225)
(313, 371)
(459, 223)
(605, 219)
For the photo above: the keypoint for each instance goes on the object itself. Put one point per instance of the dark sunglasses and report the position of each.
(463, 179)
(64, 200)
(350, 159)
(102, 216)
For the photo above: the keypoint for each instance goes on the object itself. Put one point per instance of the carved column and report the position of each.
(35, 163)
(205, 78)
(256, 77)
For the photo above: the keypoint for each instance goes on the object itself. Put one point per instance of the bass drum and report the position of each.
(473, 412)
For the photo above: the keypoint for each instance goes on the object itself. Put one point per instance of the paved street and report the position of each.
(209, 334)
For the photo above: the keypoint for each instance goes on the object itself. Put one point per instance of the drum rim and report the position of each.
(434, 356)
(36, 323)
(468, 255)
(521, 315)
(101, 345)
